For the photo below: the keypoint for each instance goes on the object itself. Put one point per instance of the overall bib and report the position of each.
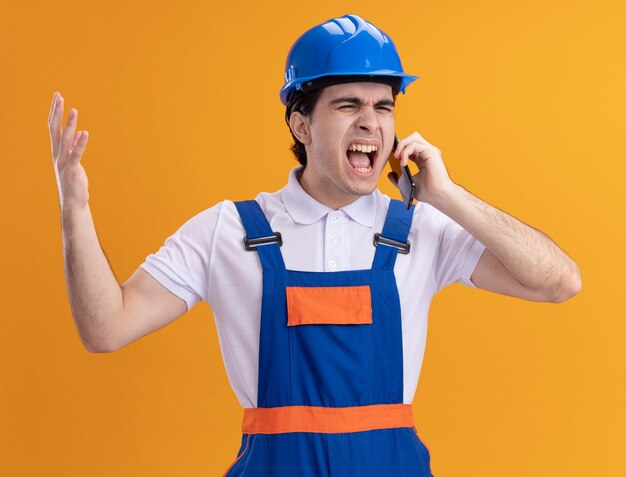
(330, 387)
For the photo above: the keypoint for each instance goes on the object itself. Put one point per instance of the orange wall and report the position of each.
(526, 101)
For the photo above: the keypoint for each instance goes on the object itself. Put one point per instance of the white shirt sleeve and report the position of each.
(182, 264)
(457, 254)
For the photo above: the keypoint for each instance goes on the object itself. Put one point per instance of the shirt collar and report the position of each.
(305, 210)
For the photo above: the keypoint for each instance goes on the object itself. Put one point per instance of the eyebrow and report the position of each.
(357, 101)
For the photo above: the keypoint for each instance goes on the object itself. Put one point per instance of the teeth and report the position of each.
(362, 148)
(363, 169)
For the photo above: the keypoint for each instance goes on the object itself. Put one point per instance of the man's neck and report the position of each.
(334, 201)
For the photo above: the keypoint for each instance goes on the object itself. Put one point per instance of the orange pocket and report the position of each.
(329, 305)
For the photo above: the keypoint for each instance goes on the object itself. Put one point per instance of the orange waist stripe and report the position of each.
(328, 420)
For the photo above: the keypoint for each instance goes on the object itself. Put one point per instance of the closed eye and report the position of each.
(352, 106)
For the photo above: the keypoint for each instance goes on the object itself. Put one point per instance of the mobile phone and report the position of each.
(405, 178)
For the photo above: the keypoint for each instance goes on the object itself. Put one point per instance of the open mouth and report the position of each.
(362, 158)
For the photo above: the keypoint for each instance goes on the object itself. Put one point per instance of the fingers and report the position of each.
(68, 143)
(54, 97)
(410, 139)
(80, 142)
(415, 136)
(68, 133)
(56, 115)
(413, 149)
(75, 140)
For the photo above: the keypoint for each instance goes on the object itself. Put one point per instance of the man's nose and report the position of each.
(367, 120)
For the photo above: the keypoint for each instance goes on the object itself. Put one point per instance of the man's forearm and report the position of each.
(527, 253)
(95, 295)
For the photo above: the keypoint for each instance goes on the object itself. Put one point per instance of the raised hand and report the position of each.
(68, 146)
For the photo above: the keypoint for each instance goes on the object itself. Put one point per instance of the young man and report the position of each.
(320, 290)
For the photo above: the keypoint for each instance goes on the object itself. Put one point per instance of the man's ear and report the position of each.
(299, 124)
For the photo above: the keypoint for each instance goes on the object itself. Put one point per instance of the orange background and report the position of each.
(526, 101)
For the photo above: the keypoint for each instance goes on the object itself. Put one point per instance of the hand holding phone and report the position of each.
(404, 177)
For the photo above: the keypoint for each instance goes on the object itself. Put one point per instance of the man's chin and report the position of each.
(363, 190)
(366, 187)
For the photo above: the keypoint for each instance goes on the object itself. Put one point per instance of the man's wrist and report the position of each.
(446, 196)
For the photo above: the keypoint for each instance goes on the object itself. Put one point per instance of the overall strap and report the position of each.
(393, 238)
(260, 235)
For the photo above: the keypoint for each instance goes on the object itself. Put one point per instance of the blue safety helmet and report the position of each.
(342, 47)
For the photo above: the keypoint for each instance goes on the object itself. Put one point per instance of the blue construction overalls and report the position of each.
(330, 387)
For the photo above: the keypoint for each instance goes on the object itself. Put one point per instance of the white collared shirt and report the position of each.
(202, 261)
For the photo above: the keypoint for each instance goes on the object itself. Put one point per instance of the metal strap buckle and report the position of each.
(403, 247)
(251, 244)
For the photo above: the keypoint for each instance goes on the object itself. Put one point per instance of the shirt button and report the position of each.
(333, 219)
(332, 264)
(333, 240)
